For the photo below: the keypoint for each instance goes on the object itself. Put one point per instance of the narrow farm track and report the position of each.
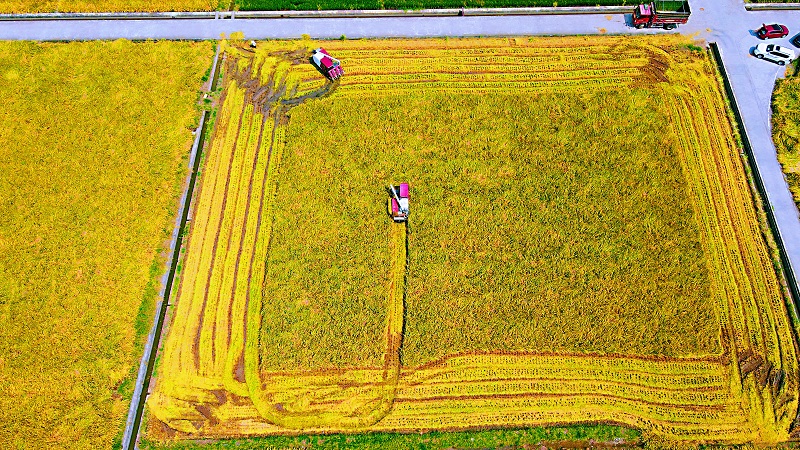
(212, 384)
(398, 249)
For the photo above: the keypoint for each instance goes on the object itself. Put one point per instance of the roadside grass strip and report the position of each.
(305, 5)
(299, 309)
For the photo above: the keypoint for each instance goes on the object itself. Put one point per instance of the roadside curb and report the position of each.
(352, 14)
(771, 6)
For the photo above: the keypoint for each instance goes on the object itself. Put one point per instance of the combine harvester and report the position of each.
(398, 204)
(327, 64)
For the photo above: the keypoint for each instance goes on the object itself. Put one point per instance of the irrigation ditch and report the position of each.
(142, 387)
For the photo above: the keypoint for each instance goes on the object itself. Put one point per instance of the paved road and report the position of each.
(316, 28)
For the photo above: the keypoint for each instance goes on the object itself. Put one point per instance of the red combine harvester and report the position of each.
(327, 64)
(398, 204)
(667, 14)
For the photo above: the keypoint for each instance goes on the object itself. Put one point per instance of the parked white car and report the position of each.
(774, 53)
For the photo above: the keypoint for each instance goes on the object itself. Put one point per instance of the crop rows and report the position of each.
(212, 381)
(760, 328)
(491, 69)
(785, 132)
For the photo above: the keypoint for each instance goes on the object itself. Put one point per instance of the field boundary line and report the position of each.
(334, 13)
(771, 6)
(142, 387)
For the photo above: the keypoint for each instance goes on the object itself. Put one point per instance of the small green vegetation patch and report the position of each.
(548, 436)
(290, 5)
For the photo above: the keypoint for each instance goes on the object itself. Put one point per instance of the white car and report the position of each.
(774, 53)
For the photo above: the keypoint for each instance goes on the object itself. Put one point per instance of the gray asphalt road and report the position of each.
(316, 28)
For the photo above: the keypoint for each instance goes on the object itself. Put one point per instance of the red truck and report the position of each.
(665, 13)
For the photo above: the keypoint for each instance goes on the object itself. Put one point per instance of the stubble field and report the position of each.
(582, 248)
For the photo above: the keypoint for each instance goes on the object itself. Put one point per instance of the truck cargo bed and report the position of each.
(672, 7)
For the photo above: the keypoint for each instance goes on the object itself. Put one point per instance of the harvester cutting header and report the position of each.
(327, 64)
(398, 203)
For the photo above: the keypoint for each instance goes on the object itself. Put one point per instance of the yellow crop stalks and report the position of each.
(225, 370)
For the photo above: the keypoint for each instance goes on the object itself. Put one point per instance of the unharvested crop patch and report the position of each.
(785, 132)
(101, 6)
(93, 152)
(582, 248)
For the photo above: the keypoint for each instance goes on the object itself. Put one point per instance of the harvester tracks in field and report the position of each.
(212, 385)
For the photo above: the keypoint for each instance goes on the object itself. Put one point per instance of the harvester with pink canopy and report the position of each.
(398, 203)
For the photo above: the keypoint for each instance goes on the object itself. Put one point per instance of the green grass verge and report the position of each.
(549, 436)
(311, 5)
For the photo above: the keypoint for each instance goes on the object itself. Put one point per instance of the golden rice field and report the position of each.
(93, 153)
(786, 132)
(582, 247)
(90, 6)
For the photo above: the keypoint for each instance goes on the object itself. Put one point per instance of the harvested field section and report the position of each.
(581, 248)
(93, 152)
